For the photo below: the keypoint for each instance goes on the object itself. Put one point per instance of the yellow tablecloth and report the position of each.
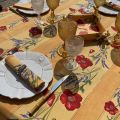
(100, 78)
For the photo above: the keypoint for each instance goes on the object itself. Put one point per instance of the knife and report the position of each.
(44, 98)
(14, 11)
(20, 7)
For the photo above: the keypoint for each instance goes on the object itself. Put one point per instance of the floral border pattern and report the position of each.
(113, 108)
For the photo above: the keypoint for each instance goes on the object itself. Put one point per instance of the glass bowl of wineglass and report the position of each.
(73, 47)
(117, 25)
(66, 29)
(52, 4)
(116, 39)
(115, 42)
(37, 6)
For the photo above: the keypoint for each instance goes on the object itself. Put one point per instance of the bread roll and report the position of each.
(24, 72)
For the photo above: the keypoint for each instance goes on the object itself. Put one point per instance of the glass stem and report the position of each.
(64, 54)
(64, 45)
(52, 16)
(39, 20)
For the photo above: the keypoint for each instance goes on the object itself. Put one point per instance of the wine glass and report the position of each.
(117, 25)
(52, 4)
(115, 42)
(37, 6)
(73, 47)
(98, 3)
(66, 30)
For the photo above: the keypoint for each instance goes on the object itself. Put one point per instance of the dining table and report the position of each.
(97, 95)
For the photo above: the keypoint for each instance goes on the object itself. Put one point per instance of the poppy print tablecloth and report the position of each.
(90, 93)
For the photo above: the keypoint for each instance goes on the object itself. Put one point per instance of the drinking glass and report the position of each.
(115, 42)
(66, 30)
(73, 47)
(52, 4)
(117, 25)
(37, 6)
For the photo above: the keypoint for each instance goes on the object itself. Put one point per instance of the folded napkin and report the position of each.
(24, 72)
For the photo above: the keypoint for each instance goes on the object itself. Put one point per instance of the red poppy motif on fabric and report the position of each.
(110, 107)
(91, 51)
(70, 100)
(82, 11)
(51, 100)
(14, 50)
(83, 61)
(34, 31)
(3, 28)
(94, 28)
(114, 28)
(116, 46)
(5, 10)
(72, 10)
(83, 32)
(1, 51)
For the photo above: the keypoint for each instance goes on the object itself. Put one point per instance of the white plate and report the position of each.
(109, 10)
(32, 12)
(24, 1)
(11, 85)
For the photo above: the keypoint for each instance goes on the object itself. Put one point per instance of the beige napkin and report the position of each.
(24, 72)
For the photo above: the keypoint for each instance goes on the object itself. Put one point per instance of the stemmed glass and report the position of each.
(73, 47)
(37, 6)
(115, 42)
(98, 3)
(66, 30)
(117, 25)
(52, 4)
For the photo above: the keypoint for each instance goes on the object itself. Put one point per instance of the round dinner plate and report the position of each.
(13, 87)
(32, 12)
(109, 10)
(24, 1)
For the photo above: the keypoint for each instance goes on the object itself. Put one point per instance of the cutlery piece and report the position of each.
(44, 98)
(7, 52)
(23, 8)
(14, 11)
(112, 5)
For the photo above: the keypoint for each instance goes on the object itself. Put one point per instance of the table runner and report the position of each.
(95, 74)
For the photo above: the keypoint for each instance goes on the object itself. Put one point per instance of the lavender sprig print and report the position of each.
(114, 117)
(117, 95)
(13, 24)
(2, 15)
(100, 56)
(53, 53)
(26, 43)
